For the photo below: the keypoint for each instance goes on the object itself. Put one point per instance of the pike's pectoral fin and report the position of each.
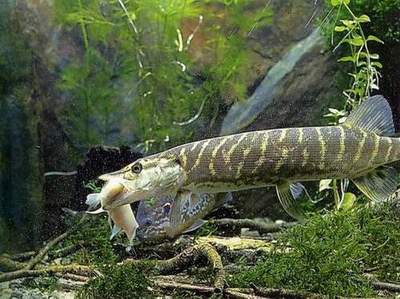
(199, 223)
(179, 207)
(379, 184)
(373, 115)
(289, 195)
(115, 231)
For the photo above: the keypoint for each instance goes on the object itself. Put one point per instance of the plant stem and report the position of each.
(83, 28)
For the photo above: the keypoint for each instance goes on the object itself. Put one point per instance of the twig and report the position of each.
(75, 269)
(74, 277)
(42, 252)
(7, 264)
(184, 286)
(262, 227)
(13, 263)
(66, 250)
(238, 293)
(380, 285)
(60, 173)
(22, 256)
(187, 258)
(285, 293)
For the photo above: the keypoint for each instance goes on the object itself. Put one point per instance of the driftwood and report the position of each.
(262, 227)
(74, 269)
(284, 293)
(187, 258)
(392, 287)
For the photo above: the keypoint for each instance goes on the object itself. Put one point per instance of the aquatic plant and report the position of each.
(330, 253)
(118, 281)
(95, 234)
(345, 28)
(365, 76)
(141, 74)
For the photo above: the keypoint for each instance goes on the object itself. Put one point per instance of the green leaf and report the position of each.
(347, 59)
(363, 19)
(377, 64)
(374, 56)
(339, 2)
(348, 201)
(325, 184)
(375, 39)
(358, 41)
(348, 23)
(340, 28)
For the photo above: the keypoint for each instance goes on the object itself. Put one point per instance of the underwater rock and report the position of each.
(243, 114)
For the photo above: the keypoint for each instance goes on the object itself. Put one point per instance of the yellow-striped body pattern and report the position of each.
(261, 158)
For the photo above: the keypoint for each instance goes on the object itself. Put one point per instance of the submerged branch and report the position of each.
(392, 287)
(187, 258)
(262, 227)
(42, 252)
(7, 264)
(74, 269)
(201, 289)
(284, 293)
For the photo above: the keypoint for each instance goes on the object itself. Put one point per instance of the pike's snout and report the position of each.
(119, 174)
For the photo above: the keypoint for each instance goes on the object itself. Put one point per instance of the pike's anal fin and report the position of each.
(379, 184)
(289, 195)
(373, 115)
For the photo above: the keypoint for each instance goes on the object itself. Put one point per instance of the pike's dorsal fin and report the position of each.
(289, 196)
(379, 184)
(373, 115)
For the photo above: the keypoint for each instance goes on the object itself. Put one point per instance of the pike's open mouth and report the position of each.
(124, 197)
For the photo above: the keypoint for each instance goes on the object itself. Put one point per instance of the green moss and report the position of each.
(329, 254)
(46, 284)
(117, 282)
(95, 233)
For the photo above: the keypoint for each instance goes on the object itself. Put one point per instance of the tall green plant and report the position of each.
(348, 34)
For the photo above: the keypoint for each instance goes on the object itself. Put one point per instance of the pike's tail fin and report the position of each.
(375, 115)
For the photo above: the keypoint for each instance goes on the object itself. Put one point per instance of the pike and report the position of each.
(360, 149)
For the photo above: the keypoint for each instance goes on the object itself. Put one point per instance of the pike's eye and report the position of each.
(136, 168)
